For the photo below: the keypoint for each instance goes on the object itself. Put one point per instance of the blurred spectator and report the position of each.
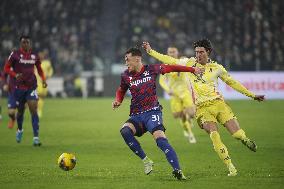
(78, 87)
(246, 34)
(66, 28)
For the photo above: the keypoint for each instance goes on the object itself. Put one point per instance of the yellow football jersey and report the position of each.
(205, 86)
(177, 83)
(47, 70)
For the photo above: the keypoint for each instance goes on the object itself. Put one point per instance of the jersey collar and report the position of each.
(208, 62)
(24, 52)
(138, 73)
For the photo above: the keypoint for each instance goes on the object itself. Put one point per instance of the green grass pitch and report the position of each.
(90, 129)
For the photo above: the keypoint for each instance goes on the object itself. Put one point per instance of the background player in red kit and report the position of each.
(20, 65)
(145, 110)
(9, 86)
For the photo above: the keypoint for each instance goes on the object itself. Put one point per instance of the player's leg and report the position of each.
(177, 111)
(188, 115)
(20, 101)
(238, 133)
(35, 121)
(11, 110)
(129, 130)
(32, 101)
(40, 106)
(20, 119)
(219, 147)
(12, 115)
(164, 145)
(207, 120)
(229, 120)
(154, 124)
(42, 92)
(188, 107)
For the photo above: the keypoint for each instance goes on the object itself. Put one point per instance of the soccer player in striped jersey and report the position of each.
(20, 65)
(211, 107)
(145, 110)
(10, 86)
(178, 86)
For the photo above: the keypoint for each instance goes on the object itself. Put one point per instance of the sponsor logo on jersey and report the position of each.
(24, 61)
(139, 81)
(146, 73)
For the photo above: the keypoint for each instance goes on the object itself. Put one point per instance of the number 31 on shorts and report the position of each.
(155, 118)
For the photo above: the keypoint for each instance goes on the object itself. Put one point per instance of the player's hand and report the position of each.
(44, 84)
(198, 70)
(259, 98)
(18, 76)
(146, 46)
(115, 104)
(5, 87)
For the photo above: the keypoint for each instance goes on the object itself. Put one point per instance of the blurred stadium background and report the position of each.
(86, 39)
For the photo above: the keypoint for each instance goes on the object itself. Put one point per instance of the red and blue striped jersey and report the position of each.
(142, 87)
(24, 63)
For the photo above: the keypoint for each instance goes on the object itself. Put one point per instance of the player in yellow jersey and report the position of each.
(48, 72)
(178, 86)
(211, 108)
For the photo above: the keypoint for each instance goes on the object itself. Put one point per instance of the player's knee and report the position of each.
(11, 112)
(20, 112)
(177, 115)
(162, 142)
(124, 131)
(159, 134)
(33, 109)
(190, 112)
(209, 127)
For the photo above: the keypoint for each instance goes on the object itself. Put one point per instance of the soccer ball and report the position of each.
(66, 161)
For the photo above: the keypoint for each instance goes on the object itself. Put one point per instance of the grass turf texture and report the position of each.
(90, 129)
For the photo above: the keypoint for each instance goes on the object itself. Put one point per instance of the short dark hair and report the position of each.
(134, 51)
(172, 46)
(24, 37)
(203, 43)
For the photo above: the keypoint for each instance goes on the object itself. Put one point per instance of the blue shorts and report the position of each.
(23, 95)
(148, 121)
(11, 100)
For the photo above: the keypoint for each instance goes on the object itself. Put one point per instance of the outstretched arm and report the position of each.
(177, 68)
(163, 58)
(239, 87)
